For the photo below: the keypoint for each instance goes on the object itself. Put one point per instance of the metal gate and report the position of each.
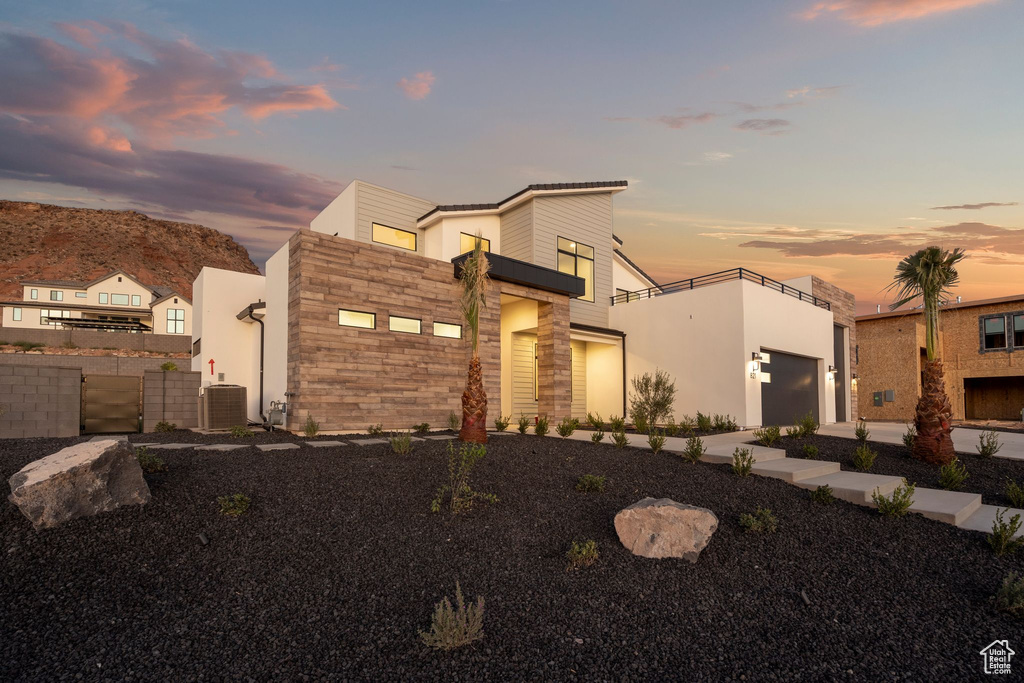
(111, 404)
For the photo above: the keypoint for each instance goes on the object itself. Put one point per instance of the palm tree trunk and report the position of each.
(474, 405)
(933, 443)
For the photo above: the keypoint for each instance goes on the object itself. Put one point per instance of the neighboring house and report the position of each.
(116, 302)
(357, 320)
(981, 344)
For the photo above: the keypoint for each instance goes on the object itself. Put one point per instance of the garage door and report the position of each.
(994, 398)
(792, 390)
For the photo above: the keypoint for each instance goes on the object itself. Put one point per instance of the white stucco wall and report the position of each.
(275, 356)
(604, 374)
(442, 239)
(623, 277)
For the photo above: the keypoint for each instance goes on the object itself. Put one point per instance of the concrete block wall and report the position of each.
(98, 339)
(94, 365)
(170, 397)
(39, 401)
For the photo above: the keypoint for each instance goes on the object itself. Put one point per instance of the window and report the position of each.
(393, 237)
(33, 294)
(357, 319)
(197, 347)
(50, 317)
(398, 324)
(80, 295)
(995, 333)
(577, 259)
(468, 243)
(1018, 331)
(17, 314)
(119, 299)
(56, 295)
(103, 297)
(175, 321)
(136, 299)
(448, 330)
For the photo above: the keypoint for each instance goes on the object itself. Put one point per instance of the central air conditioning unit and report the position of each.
(223, 406)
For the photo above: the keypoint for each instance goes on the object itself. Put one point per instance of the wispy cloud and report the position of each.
(419, 86)
(717, 156)
(765, 126)
(878, 12)
(674, 121)
(809, 92)
(973, 207)
(748, 108)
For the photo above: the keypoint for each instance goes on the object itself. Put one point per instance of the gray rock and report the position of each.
(661, 527)
(79, 481)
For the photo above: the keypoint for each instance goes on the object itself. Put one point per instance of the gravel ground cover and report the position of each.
(986, 476)
(338, 563)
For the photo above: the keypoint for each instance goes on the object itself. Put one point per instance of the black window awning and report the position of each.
(528, 274)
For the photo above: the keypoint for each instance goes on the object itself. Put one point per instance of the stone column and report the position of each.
(554, 372)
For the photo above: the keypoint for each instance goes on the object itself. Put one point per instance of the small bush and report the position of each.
(241, 432)
(566, 427)
(581, 555)
(617, 424)
(703, 422)
(73, 345)
(988, 444)
(952, 475)
(861, 432)
(810, 451)
(672, 429)
(311, 428)
(454, 422)
(694, 450)
(823, 495)
(421, 428)
(1010, 596)
(620, 439)
(541, 428)
(597, 437)
(502, 423)
(742, 461)
(793, 432)
(768, 436)
(724, 423)
(28, 346)
(864, 458)
(233, 505)
(523, 424)
(806, 425)
(169, 366)
(375, 430)
(452, 627)
(150, 462)
(591, 483)
(909, 436)
(896, 505)
(652, 399)
(656, 440)
(687, 425)
(763, 521)
(401, 443)
(595, 421)
(641, 425)
(163, 426)
(458, 492)
(1001, 539)
(1015, 492)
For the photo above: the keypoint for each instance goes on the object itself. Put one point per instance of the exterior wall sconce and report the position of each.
(755, 364)
(831, 372)
(853, 379)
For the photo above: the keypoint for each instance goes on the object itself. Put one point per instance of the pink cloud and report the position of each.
(877, 12)
(419, 86)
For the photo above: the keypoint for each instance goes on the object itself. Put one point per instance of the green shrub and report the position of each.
(763, 521)
(169, 366)
(1015, 492)
(311, 428)
(241, 432)
(620, 439)
(896, 505)
(742, 461)
(581, 555)
(793, 432)
(672, 429)
(910, 436)
(694, 450)
(452, 627)
(375, 430)
(656, 440)
(566, 427)
(150, 462)
(810, 451)
(595, 421)
(1002, 538)
(458, 492)
(768, 436)
(861, 432)
(864, 457)
(233, 505)
(591, 483)
(454, 422)
(641, 425)
(421, 428)
(597, 436)
(523, 424)
(541, 428)
(724, 423)
(502, 423)
(652, 399)
(823, 495)
(1010, 596)
(401, 443)
(952, 475)
(703, 422)
(687, 425)
(988, 444)
(617, 424)
(28, 346)
(163, 426)
(806, 426)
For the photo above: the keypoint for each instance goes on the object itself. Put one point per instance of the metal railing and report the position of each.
(716, 278)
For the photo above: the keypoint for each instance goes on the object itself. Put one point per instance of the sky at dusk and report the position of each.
(789, 137)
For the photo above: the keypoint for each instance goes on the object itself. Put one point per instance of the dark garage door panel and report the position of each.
(993, 398)
(793, 391)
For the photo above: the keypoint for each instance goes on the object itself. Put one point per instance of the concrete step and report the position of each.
(723, 454)
(793, 470)
(853, 487)
(951, 507)
(985, 515)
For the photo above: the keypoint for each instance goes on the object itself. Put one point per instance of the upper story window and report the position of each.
(394, 237)
(175, 321)
(120, 299)
(357, 319)
(995, 332)
(468, 243)
(33, 294)
(136, 299)
(1018, 330)
(56, 295)
(80, 295)
(400, 324)
(577, 259)
(103, 297)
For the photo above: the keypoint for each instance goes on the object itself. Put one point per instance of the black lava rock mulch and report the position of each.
(986, 476)
(338, 563)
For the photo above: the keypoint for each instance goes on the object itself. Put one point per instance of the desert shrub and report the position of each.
(169, 366)
(806, 426)
(458, 492)
(150, 462)
(233, 505)
(694, 450)
(452, 627)
(910, 435)
(617, 424)
(566, 427)
(581, 554)
(652, 399)
(28, 346)
(73, 345)
(687, 424)
(988, 444)
(591, 483)
(595, 421)
(241, 432)
(1001, 539)
(597, 436)
(952, 475)
(163, 426)
(896, 505)
(421, 428)
(311, 428)
(810, 451)
(523, 424)
(793, 432)
(671, 428)
(742, 461)
(620, 439)
(502, 423)
(375, 430)
(656, 440)
(864, 457)
(724, 423)
(861, 432)
(541, 428)
(823, 495)
(763, 521)
(768, 436)
(401, 443)
(454, 422)
(1015, 492)
(641, 425)
(1010, 596)
(703, 422)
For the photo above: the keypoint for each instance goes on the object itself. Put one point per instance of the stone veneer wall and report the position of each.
(844, 313)
(97, 339)
(170, 397)
(39, 401)
(348, 378)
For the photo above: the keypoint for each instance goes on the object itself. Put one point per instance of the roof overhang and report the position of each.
(257, 311)
(527, 274)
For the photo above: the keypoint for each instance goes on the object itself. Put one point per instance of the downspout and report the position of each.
(257, 320)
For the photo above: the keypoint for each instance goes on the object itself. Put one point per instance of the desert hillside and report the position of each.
(42, 241)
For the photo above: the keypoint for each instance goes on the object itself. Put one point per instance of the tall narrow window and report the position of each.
(1018, 331)
(103, 297)
(356, 319)
(394, 237)
(536, 379)
(995, 333)
(33, 294)
(175, 321)
(468, 243)
(136, 299)
(56, 295)
(577, 259)
(17, 314)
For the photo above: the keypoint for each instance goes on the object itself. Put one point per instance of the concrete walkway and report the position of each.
(964, 440)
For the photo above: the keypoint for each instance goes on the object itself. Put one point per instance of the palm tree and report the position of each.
(474, 291)
(930, 274)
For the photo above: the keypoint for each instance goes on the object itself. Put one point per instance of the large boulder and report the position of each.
(79, 481)
(660, 527)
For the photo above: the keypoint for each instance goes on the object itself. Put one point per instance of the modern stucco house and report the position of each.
(356, 321)
(116, 301)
